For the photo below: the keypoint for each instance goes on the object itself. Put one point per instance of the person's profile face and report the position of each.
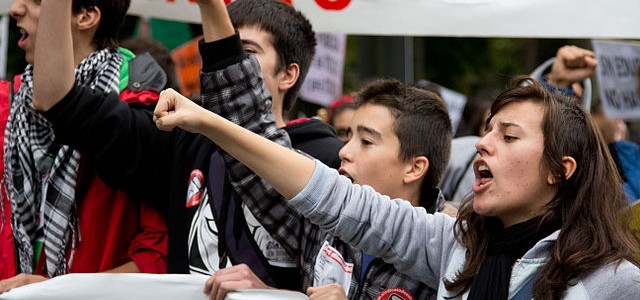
(371, 156)
(511, 180)
(27, 14)
(341, 123)
(258, 42)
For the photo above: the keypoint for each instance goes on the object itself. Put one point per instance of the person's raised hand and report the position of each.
(215, 20)
(175, 110)
(572, 64)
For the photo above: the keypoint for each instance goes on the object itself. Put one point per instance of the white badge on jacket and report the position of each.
(331, 268)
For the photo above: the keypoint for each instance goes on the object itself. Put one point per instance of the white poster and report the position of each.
(324, 80)
(618, 78)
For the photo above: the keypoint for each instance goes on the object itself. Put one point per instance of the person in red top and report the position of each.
(58, 216)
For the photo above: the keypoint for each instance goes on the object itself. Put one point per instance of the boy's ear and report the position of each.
(88, 18)
(417, 168)
(289, 76)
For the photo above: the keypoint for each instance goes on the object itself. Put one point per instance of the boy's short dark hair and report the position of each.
(293, 35)
(421, 124)
(112, 13)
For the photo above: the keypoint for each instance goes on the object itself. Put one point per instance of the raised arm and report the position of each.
(285, 169)
(250, 109)
(215, 20)
(217, 25)
(53, 76)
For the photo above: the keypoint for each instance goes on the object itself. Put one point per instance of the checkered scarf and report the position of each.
(41, 175)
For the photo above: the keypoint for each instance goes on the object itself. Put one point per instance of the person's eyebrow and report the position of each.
(369, 130)
(251, 43)
(505, 125)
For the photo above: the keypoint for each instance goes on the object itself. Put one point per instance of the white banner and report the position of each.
(139, 286)
(482, 18)
(324, 80)
(103, 286)
(618, 63)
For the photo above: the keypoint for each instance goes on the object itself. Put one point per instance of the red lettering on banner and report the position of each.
(229, 1)
(333, 4)
(194, 1)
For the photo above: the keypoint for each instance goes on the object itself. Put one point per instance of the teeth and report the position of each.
(483, 171)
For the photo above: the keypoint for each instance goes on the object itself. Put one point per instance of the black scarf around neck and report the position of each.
(506, 245)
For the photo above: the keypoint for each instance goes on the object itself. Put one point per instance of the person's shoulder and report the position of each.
(618, 280)
(5, 89)
(307, 130)
(316, 139)
(146, 74)
(623, 270)
(5, 96)
(627, 147)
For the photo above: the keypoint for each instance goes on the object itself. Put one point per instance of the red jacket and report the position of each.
(114, 229)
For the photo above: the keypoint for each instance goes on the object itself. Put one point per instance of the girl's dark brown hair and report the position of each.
(590, 205)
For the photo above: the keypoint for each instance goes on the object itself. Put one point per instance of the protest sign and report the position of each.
(324, 80)
(188, 63)
(618, 78)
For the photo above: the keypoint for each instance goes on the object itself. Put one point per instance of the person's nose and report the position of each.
(17, 9)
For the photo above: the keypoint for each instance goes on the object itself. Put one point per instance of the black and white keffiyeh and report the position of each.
(40, 175)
